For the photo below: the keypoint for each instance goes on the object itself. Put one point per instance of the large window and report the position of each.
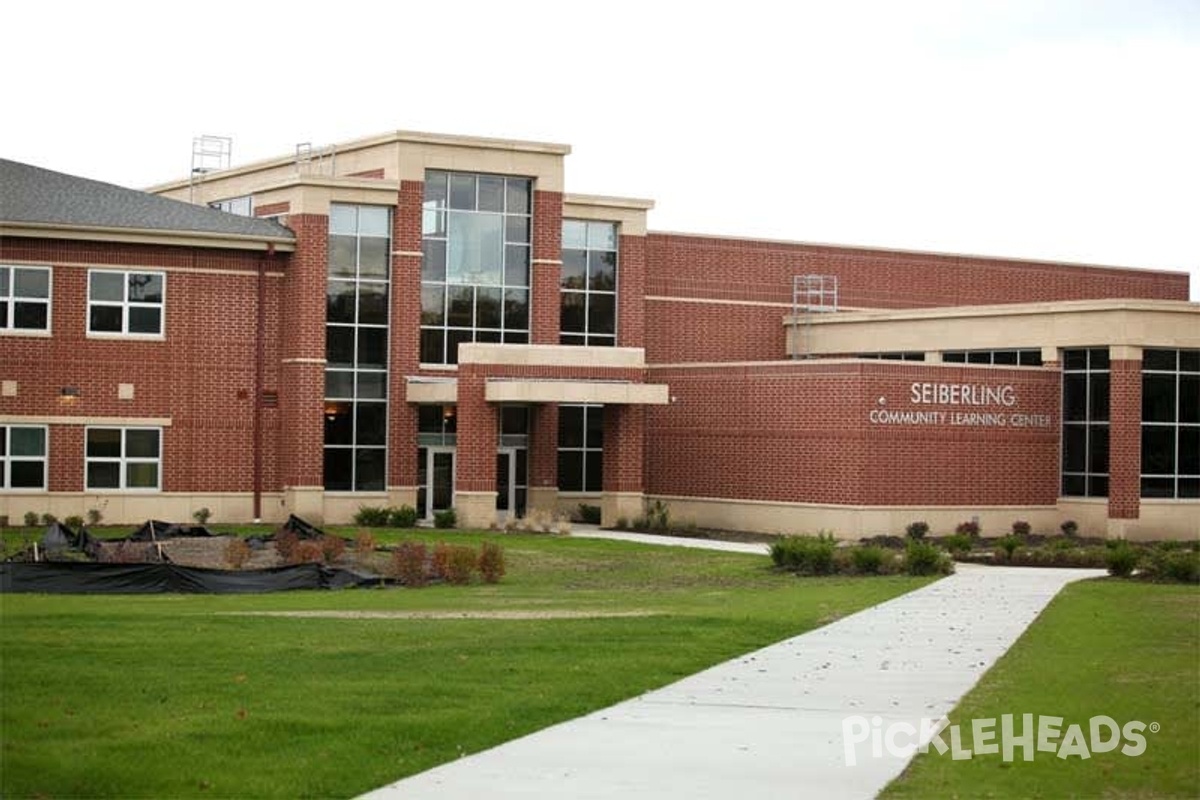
(1085, 423)
(22, 457)
(475, 271)
(129, 303)
(580, 448)
(589, 283)
(123, 458)
(24, 298)
(1171, 423)
(356, 348)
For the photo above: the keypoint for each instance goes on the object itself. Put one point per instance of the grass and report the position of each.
(166, 696)
(1128, 650)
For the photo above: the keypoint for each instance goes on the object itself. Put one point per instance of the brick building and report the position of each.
(433, 320)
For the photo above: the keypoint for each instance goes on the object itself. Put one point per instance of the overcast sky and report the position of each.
(1055, 129)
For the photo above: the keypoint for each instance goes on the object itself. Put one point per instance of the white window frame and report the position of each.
(126, 304)
(10, 298)
(122, 460)
(8, 458)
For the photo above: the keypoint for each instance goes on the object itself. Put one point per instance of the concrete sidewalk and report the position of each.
(769, 724)
(580, 531)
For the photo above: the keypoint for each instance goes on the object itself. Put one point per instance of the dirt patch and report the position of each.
(498, 614)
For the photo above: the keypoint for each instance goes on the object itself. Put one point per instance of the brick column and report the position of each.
(475, 458)
(544, 303)
(624, 449)
(404, 353)
(302, 369)
(631, 292)
(543, 457)
(1124, 441)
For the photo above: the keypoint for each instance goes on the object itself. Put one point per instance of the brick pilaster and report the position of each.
(475, 459)
(1125, 439)
(624, 446)
(302, 352)
(544, 303)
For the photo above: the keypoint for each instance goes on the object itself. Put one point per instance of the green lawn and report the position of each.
(1127, 650)
(167, 696)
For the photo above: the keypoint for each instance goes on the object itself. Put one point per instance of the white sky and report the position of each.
(1057, 129)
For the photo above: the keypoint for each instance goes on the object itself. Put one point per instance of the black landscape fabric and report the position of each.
(91, 578)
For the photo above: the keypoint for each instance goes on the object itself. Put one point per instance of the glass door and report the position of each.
(511, 481)
(435, 480)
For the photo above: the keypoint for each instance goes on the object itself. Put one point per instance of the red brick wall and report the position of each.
(201, 375)
(404, 340)
(1125, 439)
(800, 433)
(631, 292)
(743, 270)
(302, 375)
(624, 448)
(544, 304)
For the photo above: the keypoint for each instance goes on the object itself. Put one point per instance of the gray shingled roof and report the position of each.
(31, 194)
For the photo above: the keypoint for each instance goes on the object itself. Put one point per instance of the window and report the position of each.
(475, 236)
(242, 206)
(23, 457)
(129, 303)
(123, 458)
(1171, 423)
(1085, 423)
(589, 283)
(356, 347)
(893, 356)
(580, 448)
(24, 298)
(1023, 358)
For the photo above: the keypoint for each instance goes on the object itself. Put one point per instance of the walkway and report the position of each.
(769, 724)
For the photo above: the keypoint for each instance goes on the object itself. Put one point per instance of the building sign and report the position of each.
(959, 405)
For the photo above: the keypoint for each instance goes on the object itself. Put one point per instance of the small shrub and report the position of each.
(1009, 544)
(445, 519)
(491, 562)
(408, 563)
(49, 519)
(622, 524)
(237, 553)
(308, 551)
(439, 561)
(462, 561)
(968, 528)
(1122, 559)
(1070, 528)
(589, 515)
(959, 544)
(917, 530)
(74, 522)
(201, 515)
(31, 519)
(867, 560)
(924, 558)
(1021, 528)
(806, 555)
(371, 516)
(658, 516)
(94, 516)
(564, 527)
(332, 548)
(1175, 563)
(286, 542)
(403, 517)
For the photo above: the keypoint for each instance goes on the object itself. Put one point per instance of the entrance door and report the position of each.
(511, 482)
(435, 480)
